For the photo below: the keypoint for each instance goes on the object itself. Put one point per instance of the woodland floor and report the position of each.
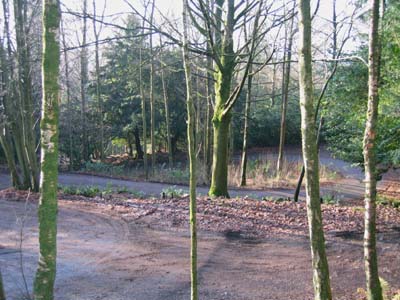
(122, 248)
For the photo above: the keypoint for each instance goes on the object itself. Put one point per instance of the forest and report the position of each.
(200, 149)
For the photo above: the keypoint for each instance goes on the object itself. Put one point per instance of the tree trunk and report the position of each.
(167, 123)
(144, 121)
(152, 100)
(191, 114)
(47, 210)
(84, 83)
(98, 95)
(285, 94)
(221, 121)
(68, 90)
(139, 150)
(322, 290)
(374, 290)
(219, 179)
(243, 166)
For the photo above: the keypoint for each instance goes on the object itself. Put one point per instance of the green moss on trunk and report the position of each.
(47, 211)
(322, 289)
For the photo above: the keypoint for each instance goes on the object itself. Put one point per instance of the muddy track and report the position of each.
(103, 256)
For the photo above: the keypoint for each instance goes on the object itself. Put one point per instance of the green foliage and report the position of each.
(86, 191)
(347, 95)
(382, 200)
(172, 192)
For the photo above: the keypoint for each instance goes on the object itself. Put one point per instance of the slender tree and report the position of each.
(285, 91)
(152, 99)
(167, 117)
(47, 211)
(191, 115)
(68, 91)
(374, 290)
(84, 83)
(322, 290)
(97, 32)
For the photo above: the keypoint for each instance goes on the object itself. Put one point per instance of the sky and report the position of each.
(118, 10)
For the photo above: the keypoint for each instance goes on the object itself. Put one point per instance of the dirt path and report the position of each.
(101, 256)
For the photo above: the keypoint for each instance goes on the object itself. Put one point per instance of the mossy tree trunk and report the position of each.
(225, 98)
(374, 290)
(47, 210)
(2, 292)
(322, 290)
(191, 117)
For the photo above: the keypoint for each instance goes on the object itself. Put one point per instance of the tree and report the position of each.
(84, 83)
(47, 210)
(285, 91)
(374, 290)
(322, 290)
(191, 115)
(219, 31)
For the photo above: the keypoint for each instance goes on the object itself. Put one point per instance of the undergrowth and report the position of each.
(260, 173)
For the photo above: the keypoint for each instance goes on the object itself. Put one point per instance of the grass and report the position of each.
(261, 173)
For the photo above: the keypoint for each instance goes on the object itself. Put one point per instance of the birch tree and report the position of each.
(322, 290)
(374, 290)
(47, 210)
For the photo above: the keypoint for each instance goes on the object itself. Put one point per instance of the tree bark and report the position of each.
(191, 114)
(47, 210)
(143, 104)
(374, 290)
(322, 290)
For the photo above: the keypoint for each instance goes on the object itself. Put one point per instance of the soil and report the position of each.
(121, 248)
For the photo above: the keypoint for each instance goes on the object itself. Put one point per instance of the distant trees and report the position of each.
(47, 210)
(18, 114)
